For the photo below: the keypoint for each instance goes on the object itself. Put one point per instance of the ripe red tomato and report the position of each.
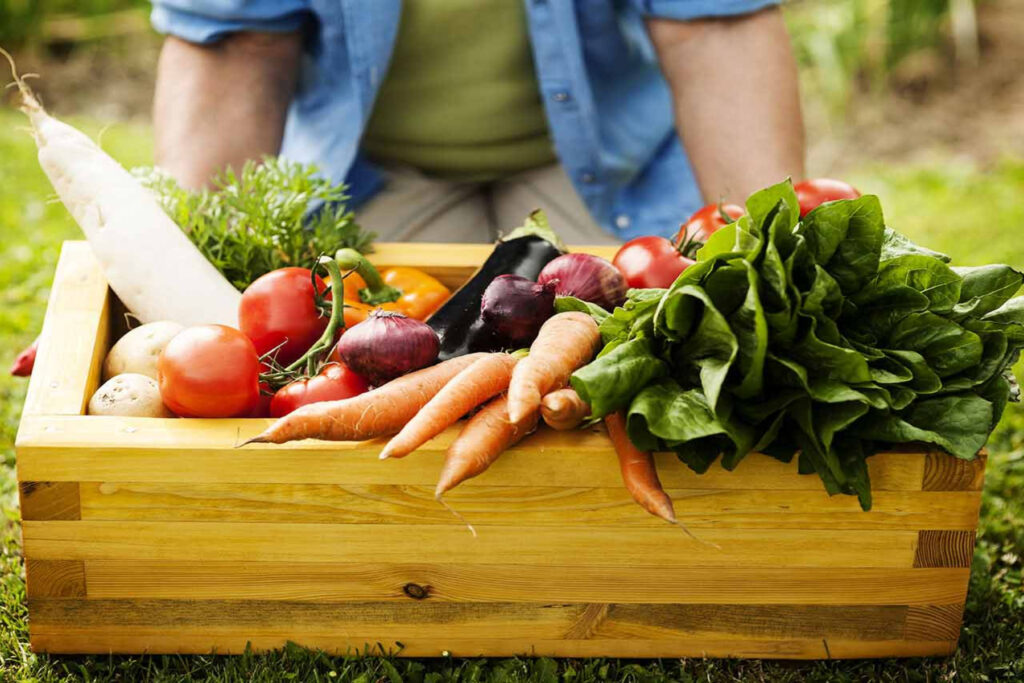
(650, 261)
(209, 371)
(280, 308)
(335, 382)
(812, 193)
(706, 222)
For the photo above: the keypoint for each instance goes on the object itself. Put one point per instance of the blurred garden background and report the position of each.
(918, 101)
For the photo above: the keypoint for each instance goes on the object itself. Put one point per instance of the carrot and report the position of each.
(485, 436)
(477, 383)
(640, 475)
(566, 342)
(563, 409)
(379, 412)
(638, 472)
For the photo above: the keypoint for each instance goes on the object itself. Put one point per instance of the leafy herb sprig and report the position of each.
(272, 214)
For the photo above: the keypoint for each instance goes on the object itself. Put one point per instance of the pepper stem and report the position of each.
(376, 291)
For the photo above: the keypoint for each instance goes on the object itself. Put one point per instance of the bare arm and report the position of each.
(734, 83)
(222, 104)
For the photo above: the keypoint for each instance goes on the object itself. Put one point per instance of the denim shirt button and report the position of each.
(588, 177)
(622, 221)
(561, 96)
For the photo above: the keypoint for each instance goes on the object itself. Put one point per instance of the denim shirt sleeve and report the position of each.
(695, 9)
(206, 21)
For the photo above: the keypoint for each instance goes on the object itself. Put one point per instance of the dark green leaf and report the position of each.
(986, 288)
(959, 424)
(948, 347)
(610, 382)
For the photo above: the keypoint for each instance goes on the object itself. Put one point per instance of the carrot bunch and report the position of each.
(509, 396)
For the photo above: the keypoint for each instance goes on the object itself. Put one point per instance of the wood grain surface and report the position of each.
(459, 582)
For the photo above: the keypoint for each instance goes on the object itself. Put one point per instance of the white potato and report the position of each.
(129, 395)
(139, 350)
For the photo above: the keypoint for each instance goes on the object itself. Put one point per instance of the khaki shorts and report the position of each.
(413, 207)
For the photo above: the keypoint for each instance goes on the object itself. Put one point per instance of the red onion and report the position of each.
(514, 308)
(387, 345)
(586, 277)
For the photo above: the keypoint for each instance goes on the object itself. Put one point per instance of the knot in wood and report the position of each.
(416, 591)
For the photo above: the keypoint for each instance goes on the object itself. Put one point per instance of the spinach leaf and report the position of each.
(834, 337)
(986, 288)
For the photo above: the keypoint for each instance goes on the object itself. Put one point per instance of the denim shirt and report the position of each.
(608, 106)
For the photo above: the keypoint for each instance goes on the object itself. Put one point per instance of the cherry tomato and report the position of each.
(813, 193)
(650, 261)
(335, 382)
(280, 308)
(706, 222)
(209, 371)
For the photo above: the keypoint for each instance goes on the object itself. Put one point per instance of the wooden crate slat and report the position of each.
(511, 505)
(459, 582)
(202, 451)
(943, 473)
(100, 641)
(452, 264)
(630, 546)
(43, 500)
(944, 548)
(55, 578)
(448, 620)
(74, 336)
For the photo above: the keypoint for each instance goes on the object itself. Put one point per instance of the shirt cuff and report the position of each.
(697, 9)
(202, 28)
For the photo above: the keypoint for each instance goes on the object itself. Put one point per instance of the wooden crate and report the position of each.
(157, 535)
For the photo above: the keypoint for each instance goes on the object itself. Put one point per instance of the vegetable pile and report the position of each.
(803, 326)
(832, 336)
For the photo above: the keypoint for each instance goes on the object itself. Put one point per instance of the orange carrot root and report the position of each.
(640, 475)
(567, 341)
(380, 412)
(485, 436)
(564, 409)
(477, 383)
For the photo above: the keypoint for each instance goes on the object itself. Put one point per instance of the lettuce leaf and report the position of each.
(833, 336)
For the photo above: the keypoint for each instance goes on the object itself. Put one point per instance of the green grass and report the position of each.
(971, 214)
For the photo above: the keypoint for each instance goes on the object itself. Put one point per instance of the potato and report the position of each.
(129, 395)
(139, 350)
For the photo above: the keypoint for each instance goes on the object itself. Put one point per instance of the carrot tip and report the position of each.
(259, 438)
(384, 455)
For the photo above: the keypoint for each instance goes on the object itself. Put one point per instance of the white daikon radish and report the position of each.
(149, 262)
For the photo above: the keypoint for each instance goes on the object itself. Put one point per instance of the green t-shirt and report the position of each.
(460, 99)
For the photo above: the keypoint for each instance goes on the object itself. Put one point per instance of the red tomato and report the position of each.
(262, 407)
(706, 222)
(333, 383)
(813, 193)
(209, 371)
(650, 261)
(280, 308)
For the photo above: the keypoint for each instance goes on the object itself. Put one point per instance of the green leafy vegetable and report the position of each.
(833, 336)
(273, 214)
